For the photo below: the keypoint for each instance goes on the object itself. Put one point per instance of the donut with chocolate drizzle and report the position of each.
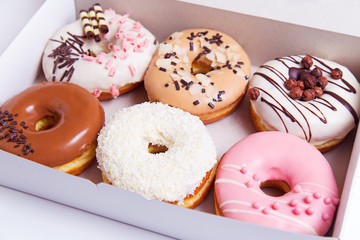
(322, 107)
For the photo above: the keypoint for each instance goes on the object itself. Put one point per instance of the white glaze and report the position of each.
(339, 122)
(94, 76)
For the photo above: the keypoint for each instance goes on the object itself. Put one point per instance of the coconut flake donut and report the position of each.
(107, 68)
(204, 72)
(284, 161)
(52, 123)
(315, 99)
(179, 170)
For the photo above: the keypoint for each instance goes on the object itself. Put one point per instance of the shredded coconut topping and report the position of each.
(125, 160)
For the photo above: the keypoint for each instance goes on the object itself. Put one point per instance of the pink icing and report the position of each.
(307, 208)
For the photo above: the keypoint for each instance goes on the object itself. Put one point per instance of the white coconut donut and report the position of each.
(112, 66)
(174, 176)
(278, 102)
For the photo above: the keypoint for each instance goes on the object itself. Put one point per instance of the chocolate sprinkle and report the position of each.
(162, 69)
(177, 86)
(196, 102)
(64, 55)
(191, 46)
(206, 50)
(12, 132)
(210, 104)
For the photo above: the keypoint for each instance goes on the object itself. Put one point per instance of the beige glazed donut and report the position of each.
(204, 72)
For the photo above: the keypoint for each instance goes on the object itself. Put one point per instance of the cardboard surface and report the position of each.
(263, 39)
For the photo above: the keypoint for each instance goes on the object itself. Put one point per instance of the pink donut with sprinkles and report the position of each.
(279, 160)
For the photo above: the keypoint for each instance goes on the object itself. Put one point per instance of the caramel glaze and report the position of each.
(80, 118)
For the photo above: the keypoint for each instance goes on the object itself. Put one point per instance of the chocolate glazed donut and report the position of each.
(52, 123)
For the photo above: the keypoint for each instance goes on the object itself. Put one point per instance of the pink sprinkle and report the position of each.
(146, 43)
(123, 56)
(308, 199)
(135, 29)
(137, 25)
(275, 205)
(116, 54)
(256, 177)
(335, 201)
(88, 58)
(114, 19)
(132, 70)
(325, 216)
(125, 45)
(134, 41)
(109, 63)
(129, 36)
(110, 46)
(297, 211)
(112, 72)
(327, 200)
(114, 91)
(141, 34)
(109, 10)
(122, 20)
(249, 184)
(120, 30)
(105, 36)
(265, 211)
(243, 170)
(115, 48)
(101, 57)
(256, 205)
(293, 203)
(97, 93)
(138, 48)
(317, 195)
(297, 189)
(309, 211)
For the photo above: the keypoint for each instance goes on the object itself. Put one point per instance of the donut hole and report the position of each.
(156, 148)
(201, 67)
(47, 122)
(275, 188)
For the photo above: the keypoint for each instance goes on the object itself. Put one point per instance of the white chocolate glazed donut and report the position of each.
(202, 71)
(323, 121)
(171, 176)
(283, 161)
(115, 65)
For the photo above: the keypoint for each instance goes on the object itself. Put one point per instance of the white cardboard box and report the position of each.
(262, 38)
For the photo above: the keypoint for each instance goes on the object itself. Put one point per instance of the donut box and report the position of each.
(87, 192)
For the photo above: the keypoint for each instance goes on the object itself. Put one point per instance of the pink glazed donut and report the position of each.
(279, 160)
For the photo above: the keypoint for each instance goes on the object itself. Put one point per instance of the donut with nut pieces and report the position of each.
(313, 98)
(202, 71)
